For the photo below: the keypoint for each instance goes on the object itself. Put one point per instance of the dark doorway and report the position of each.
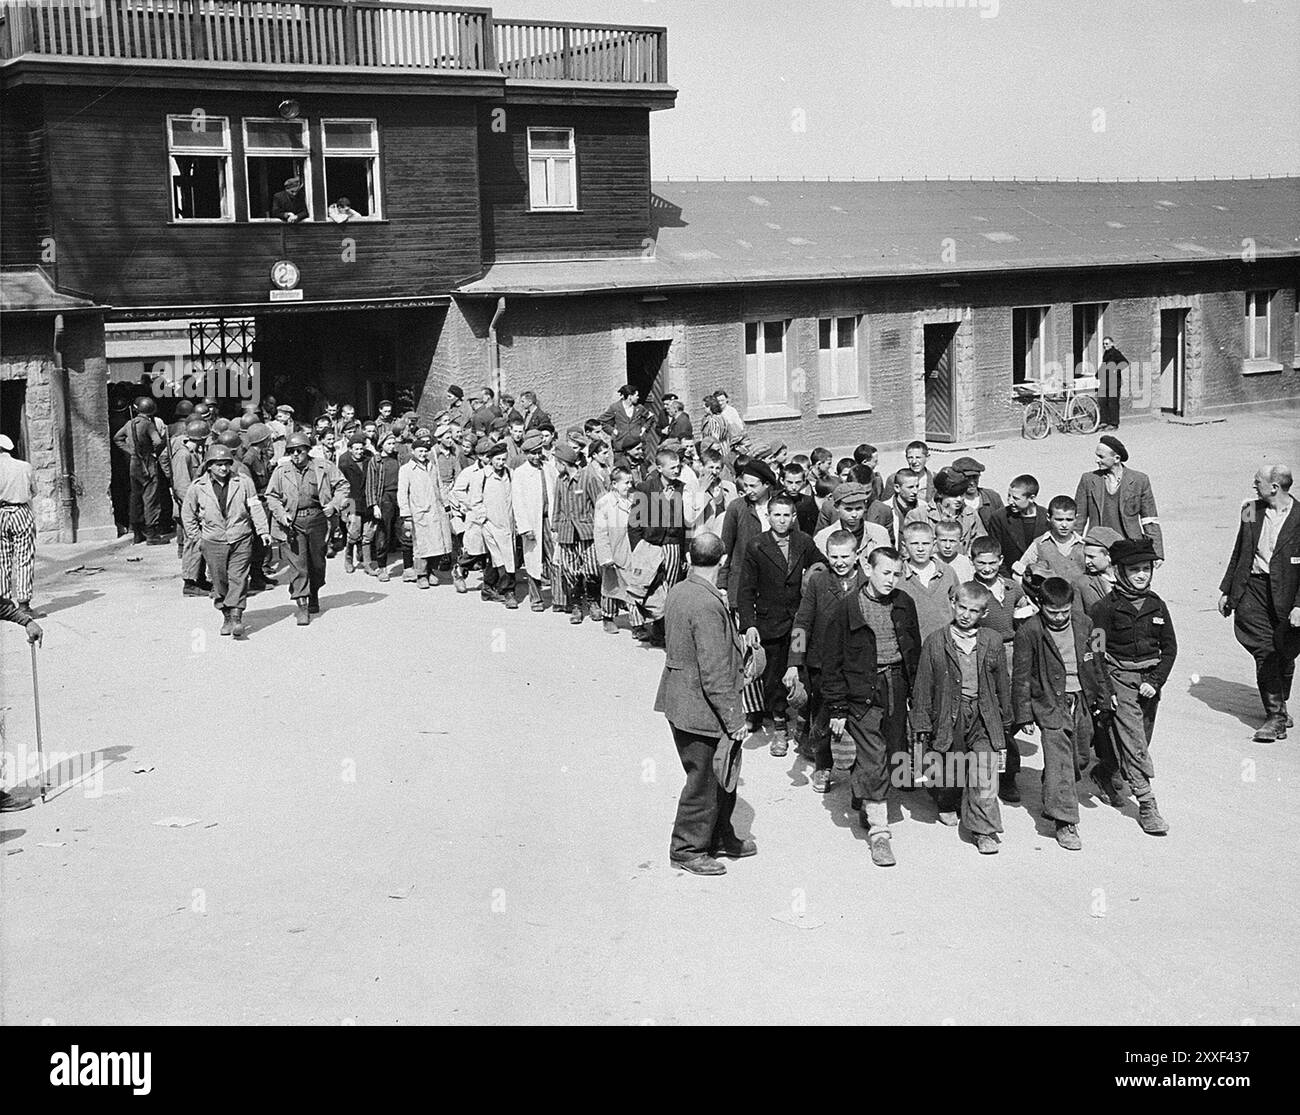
(1173, 360)
(645, 366)
(940, 376)
(13, 414)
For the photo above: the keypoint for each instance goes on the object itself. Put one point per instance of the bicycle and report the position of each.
(1079, 414)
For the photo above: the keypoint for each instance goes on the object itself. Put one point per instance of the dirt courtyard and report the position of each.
(427, 809)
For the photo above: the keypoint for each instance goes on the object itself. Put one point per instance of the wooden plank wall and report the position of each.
(115, 236)
(24, 183)
(613, 150)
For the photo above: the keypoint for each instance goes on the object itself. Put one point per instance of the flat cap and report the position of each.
(565, 453)
(850, 494)
(532, 442)
(1132, 551)
(1105, 537)
(967, 465)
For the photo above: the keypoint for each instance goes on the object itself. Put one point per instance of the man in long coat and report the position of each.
(423, 513)
(533, 499)
(496, 507)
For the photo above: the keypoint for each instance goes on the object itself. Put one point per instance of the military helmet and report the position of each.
(218, 453)
(197, 430)
(258, 432)
(297, 440)
(231, 440)
(145, 405)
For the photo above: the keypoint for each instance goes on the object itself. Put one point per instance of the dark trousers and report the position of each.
(704, 809)
(1109, 394)
(819, 721)
(1255, 620)
(976, 774)
(877, 734)
(146, 495)
(1126, 748)
(500, 578)
(381, 533)
(1013, 747)
(228, 565)
(305, 553)
(775, 698)
(1066, 752)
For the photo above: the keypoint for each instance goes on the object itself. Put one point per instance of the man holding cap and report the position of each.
(290, 204)
(222, 512)
(983, 501)
(17, 526)
(1118, 497)
(1262, 586)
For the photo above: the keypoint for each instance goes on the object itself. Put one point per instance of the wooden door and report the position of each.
(1173, 360)
(940, 376)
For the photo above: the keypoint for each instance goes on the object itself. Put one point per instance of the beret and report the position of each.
(756, 468)
(949, 482)
(483, 446)
(967, 464)
(565, 453)
(455, 390)
(1114, 443)
(357, 438)
(533, 442)
(422, 443)
(1132, 551)
(1105, 537)
(493, 449)
(850, 492)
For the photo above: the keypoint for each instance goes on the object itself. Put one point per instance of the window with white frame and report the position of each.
(1259, 333)
(351, 153)
(1029, 343)
(275, 151)
(766, 373)
(198, 149)
(552, 169)
(838, 348)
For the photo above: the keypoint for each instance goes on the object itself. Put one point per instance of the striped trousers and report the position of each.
(17, 552)
(577, 571)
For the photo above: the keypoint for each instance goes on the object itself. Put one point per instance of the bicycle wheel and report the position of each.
(1082, 415)
(1037, 423)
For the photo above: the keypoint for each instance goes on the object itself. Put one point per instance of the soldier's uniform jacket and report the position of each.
(201, 512)
(283, 487)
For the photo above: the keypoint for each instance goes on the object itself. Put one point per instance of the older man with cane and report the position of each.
(15, 613)
(699, 693)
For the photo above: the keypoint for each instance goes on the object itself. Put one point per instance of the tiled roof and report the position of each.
(728, 233)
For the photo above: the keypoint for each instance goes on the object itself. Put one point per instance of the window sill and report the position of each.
(843, 406)
(556, 210)
(1254, 367)
(295, 224)
(763, 413)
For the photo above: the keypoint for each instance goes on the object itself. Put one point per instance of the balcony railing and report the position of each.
(369, 34)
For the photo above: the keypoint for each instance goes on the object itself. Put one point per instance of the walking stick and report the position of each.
(36, 697)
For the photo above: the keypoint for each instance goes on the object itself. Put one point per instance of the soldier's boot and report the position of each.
(313, 602)
(1275, 725)
(237, 628)
(303, 616)
(227, 622)
(348, 565)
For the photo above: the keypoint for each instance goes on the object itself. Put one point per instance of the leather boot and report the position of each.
(227, 623)
(1274, 726)
(368, 557)
(1149, 818)
(237, 623)
(303, 616)
(348, 565)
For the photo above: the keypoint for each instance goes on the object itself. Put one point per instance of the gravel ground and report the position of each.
(426, 809)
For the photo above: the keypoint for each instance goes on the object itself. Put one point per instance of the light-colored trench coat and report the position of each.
(419, 498)
(489, 515)
(612, 549)
(528, 486)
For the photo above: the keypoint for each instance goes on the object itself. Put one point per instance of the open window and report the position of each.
(1029, 344)
(275, 151)
(198, 148)
(351, 152)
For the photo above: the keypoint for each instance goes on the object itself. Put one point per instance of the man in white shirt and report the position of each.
(17, 526)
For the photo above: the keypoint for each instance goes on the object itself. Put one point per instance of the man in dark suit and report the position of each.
(1118, 497)
(699, 693)
(290, 204)
(1262, 585)
(771, 586)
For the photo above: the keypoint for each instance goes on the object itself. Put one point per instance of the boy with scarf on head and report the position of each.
(1059, 683)
(1140, 648)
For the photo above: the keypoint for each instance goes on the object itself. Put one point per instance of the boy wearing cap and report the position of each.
(850, 501)
(1059, 682)
(1061, 548)
(950, 505)
(1017, 524)
(1140, 648)
(983, 501)
(494, 515)
(1098, 576)
(961, 705)
(532, 497)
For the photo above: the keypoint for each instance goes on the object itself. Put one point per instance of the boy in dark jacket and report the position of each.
(771, 585)
(1140, 648)
(817, 608)
(871, 653)
(1059, 683)
(961, 705)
